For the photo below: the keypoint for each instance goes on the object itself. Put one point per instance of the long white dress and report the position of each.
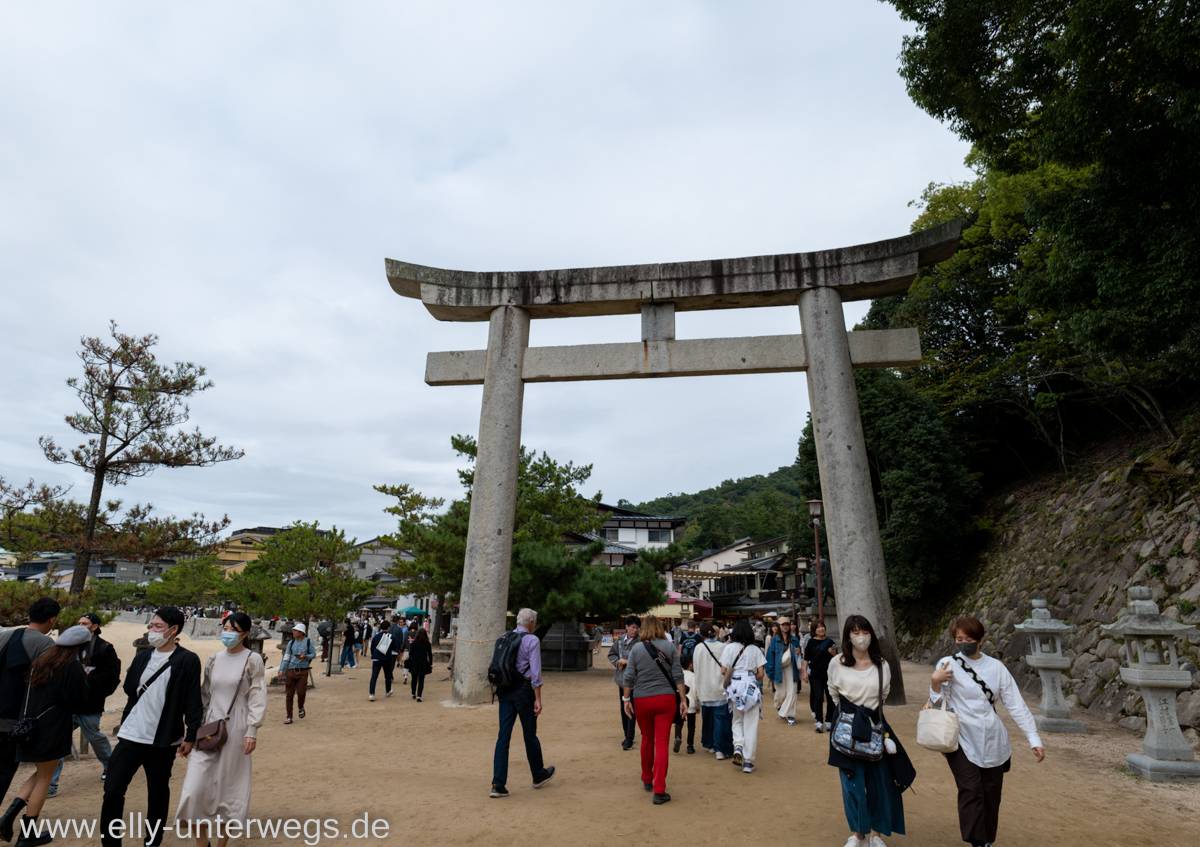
(218, 781)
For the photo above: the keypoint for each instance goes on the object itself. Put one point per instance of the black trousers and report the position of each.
(122, 767)
(8, 763)
(691, 725)
(628, 724)
(818, 699)
(978, 797)
(417, 683)
(387, 667)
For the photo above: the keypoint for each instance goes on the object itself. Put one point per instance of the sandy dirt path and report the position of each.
(425, 769)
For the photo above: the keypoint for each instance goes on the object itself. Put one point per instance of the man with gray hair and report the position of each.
(522, 700)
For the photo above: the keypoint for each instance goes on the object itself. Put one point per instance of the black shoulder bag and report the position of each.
(24, 728)
(656, 655)
(987, 692)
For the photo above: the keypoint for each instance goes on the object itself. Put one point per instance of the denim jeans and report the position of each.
(90, 724)
(347, 656)
(723, 730)
(513, 705)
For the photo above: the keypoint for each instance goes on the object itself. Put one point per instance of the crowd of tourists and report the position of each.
(209, 713)
(663, 678)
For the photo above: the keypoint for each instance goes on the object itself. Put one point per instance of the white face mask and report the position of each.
(156, 639)
(861, 642)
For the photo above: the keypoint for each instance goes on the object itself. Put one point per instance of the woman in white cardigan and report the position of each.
(971, 682)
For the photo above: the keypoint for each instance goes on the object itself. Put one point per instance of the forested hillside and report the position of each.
(759, 507)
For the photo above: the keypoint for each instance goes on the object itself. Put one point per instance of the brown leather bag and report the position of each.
(212, 736)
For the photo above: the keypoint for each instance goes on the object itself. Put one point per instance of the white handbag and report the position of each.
(937, 729)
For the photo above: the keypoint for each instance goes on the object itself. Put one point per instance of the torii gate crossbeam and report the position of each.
(817, 282)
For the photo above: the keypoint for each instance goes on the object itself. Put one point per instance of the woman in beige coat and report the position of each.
(218, 781)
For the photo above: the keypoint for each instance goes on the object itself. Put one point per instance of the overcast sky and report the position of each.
(231, 176)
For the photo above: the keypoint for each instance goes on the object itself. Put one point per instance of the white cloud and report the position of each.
(231, 176)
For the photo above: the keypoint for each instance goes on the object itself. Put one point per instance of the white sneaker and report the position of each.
(721, 756)
(370, 696)
(876, 841)
(855, 841)
(737, 756)
(829, 728)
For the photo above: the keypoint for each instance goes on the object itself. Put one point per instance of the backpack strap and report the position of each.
(987, 692)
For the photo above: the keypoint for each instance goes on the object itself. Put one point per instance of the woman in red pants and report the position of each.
(654, 679)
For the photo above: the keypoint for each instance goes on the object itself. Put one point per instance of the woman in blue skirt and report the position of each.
(872, 800)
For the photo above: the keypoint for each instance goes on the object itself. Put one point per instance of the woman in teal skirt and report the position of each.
(872, 800)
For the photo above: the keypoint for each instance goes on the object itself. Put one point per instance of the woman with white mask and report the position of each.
(218, 779)
(859, 682)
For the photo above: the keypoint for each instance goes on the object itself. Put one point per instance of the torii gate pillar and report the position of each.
(852, 525)
(484, 597)
(818, 282)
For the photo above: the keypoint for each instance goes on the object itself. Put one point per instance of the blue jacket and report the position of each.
(775, 660)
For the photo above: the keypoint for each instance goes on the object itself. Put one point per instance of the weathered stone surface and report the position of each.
(1079, 667)
(858, 273)
(493, 503)
(1133, 724)
(1188, 708)
(675, 358)
(852, 522)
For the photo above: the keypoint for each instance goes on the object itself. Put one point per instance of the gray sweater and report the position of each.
(643, 674)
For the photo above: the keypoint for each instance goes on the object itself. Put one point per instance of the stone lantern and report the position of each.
(255, 639)
(1154, 669)
(1046, 657)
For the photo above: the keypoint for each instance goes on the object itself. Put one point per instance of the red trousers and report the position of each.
(655, 716)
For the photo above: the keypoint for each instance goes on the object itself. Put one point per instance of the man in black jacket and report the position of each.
(163, 687)
(103, 667)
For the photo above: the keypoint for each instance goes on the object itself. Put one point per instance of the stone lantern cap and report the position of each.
(1143, 618)
(1042, 624)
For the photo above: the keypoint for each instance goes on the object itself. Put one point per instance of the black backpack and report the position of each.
(688, 645)
(502, 672)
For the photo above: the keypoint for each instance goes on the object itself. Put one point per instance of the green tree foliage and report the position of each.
(756, 507)
(1108, 89)
(190, 582)
(548, 507)
(133, 411)
(1002, 371)
(15, 598)
(924, 494)
(561, 583)
(301, 573)
(109, 593)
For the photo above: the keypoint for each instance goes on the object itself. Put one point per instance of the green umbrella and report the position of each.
(411, 610)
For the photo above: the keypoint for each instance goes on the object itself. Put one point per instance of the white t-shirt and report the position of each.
(752, 659)
(142, 724)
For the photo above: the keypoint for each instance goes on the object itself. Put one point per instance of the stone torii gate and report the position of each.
(817, 282)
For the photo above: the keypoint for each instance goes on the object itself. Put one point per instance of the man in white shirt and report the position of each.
(163, 690)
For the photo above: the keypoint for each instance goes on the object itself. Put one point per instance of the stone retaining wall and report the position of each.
(1081, 546)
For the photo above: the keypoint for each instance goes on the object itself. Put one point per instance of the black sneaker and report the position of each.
(649, 786)
(691, 749)
(659, 799)
(499, 791)
(678, 741)
(627, 744)
(538, 783)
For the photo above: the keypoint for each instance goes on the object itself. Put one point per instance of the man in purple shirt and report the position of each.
(524, 702)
